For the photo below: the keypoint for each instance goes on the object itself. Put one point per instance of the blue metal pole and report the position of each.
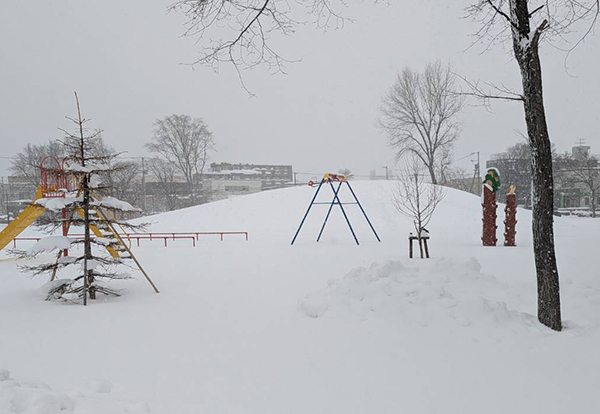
(307, 211)
(344, 212)
(335, 192)
(363, 211)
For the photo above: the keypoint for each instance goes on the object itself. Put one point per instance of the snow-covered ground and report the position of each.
(328, 327)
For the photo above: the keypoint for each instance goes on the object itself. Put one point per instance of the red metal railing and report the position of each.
(196, 234)
(164, 236)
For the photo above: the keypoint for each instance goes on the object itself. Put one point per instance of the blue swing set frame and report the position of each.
(329, 179)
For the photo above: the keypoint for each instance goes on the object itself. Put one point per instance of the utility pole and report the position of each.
(144, 183)
(6, 189)
(387, 176)
(476, 182)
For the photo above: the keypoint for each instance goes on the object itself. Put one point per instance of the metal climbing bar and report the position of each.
(308, 210)
(335, 196)
(363, 211)
(333, 202)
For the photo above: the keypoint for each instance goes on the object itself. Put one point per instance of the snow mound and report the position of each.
(419, 293)
(35, 397)
(31, 397)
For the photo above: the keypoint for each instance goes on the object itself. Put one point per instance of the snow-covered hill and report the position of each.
(328, 327)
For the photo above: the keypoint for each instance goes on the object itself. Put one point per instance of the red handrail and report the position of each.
(194, 236)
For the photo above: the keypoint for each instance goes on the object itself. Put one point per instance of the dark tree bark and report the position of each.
(526, 49)
(87, 244)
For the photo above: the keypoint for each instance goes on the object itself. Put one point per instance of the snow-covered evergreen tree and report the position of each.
(101, 250)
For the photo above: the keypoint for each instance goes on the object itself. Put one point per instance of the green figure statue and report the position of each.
(492, 179)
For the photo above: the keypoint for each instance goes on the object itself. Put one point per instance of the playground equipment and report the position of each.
(53, 184)
(56, 183)
(328, 180)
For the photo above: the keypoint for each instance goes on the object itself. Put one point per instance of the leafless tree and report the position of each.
(240, 32)
(461, 179)
(414, 197)
(186, 143)
(346, 172)
(527, 24)
(121, 181)
(164, 172)
(27, 162)
(120, 178)
(419, 116)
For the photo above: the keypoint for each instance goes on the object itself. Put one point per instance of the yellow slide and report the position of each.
(23, 220)
(34, 211)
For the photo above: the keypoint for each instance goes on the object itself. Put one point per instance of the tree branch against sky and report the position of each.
(240, 32)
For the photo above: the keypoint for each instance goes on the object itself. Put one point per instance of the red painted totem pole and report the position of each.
(490, 186)
(510, 217)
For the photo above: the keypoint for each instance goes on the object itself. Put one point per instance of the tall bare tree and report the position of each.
(185, 142)
(528, 23)
(419, 116)
(164, 172)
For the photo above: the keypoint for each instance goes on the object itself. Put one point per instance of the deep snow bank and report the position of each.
(437, 293)
(37, 397)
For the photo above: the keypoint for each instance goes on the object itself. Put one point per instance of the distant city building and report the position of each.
(224, 180)
(374, 177)
(513, 171)
(570, 193)
(575, 175)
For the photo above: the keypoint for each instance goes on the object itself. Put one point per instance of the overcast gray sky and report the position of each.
(123, 58)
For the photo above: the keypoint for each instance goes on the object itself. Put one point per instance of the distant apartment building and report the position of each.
(570, 191)
(513, 171)
(224, 180)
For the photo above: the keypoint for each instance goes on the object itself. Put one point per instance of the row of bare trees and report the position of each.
(181, 146)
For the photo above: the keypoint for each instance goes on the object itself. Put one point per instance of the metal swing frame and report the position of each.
(329, 179)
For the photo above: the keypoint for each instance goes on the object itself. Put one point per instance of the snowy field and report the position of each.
(329, 327)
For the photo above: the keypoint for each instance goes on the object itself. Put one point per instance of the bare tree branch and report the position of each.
(419, 115)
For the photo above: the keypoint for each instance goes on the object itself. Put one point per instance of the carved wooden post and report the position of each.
(510, 217)
(490, 185)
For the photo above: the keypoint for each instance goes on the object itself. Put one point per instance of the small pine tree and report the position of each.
(85, 206)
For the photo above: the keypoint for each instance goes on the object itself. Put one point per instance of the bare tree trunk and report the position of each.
(541, 166)
(431, 168)
(88, 277)
(87, 244)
